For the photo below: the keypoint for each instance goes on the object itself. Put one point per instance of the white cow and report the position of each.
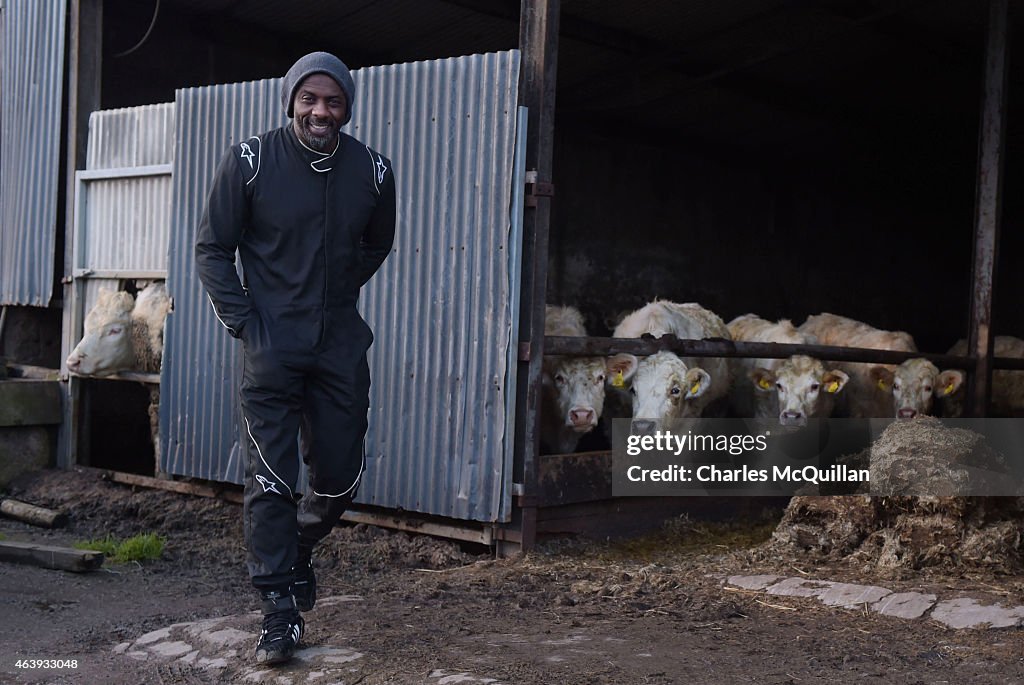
(792, 389)
(916, 383)
(664, 386)
(869, 390)
(122, 333)
(1007, 385)
(801, 387)
(573, 387)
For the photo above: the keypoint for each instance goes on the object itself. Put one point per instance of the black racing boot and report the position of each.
(304, 580)
(282, 628)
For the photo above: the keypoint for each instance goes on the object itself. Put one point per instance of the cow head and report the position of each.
(662, 387)
(917, 382)
(804, 387)
(575, 386)
(106, 347)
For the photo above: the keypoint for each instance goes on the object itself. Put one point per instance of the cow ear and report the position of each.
(881, 377)
(834, 381)
(104, 295)
(621, 368)
(697, 382)
(763, 379)
(948, 383)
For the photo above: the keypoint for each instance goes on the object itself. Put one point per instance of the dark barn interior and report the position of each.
(766, 156)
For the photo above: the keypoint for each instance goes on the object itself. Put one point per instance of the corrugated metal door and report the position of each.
(31, 123)
(442, 307)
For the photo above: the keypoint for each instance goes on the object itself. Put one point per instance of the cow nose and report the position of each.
(642, 427)
(74, 363)
(906, 413)
(581, 417)
(792, 418)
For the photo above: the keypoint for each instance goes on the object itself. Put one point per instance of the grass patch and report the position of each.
(137, 548)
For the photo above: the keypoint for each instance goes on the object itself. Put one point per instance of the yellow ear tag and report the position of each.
(949, 389)
(833, 386)
(618, 381)
(882, 386)
(695, 388)
(764, 384)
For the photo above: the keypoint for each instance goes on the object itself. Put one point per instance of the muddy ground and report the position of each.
(652, 610)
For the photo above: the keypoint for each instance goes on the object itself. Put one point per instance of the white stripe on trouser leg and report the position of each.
(260, 452)
(362, 467)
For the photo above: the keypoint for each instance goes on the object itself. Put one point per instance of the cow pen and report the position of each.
(781, 158)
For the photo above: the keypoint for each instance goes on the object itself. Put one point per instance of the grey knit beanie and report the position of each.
(317, 63)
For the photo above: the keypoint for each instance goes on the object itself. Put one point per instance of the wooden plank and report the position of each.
(988, 205)
(139, 376)
(419, 527)
(39, 373)
(572, 478)
(30, 513)
(47, 556)
(538, 41)
(181, 487)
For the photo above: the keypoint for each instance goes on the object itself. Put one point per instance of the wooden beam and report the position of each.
(988, 205)
(538, 41)
(30, 513)
(181, 487)
(47, 556)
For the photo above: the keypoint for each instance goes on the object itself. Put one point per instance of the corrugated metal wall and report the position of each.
(131, 137)
(201, 367)
(125, 222)
(31, 124)
(439, 306)
(128, 219)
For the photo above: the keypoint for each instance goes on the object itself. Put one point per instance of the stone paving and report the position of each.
(960, 612)
(219, 647)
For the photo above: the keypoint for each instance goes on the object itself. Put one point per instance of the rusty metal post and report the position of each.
(538, 41)
(988, 204)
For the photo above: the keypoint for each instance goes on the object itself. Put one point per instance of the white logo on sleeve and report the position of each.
(247, 153)
(268, 485)
(381, 169)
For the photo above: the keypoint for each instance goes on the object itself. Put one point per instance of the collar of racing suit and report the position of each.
(319, 162)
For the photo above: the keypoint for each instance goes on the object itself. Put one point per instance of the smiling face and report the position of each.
(320, 109)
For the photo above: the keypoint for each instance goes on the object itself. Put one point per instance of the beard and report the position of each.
(316, 141)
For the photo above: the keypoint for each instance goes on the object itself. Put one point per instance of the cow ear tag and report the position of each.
(695, 388)
(833, 386)
(882, 386)
(949, 389)
(764, 384)
(618, 381)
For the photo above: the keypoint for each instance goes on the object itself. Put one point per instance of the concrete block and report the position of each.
(969, 613)
(800, 587)
(752, 582)
(24, 449)
(904, 604)
(29, 402)
(851, 596)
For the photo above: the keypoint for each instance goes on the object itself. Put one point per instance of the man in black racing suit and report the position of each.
(311, 212)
